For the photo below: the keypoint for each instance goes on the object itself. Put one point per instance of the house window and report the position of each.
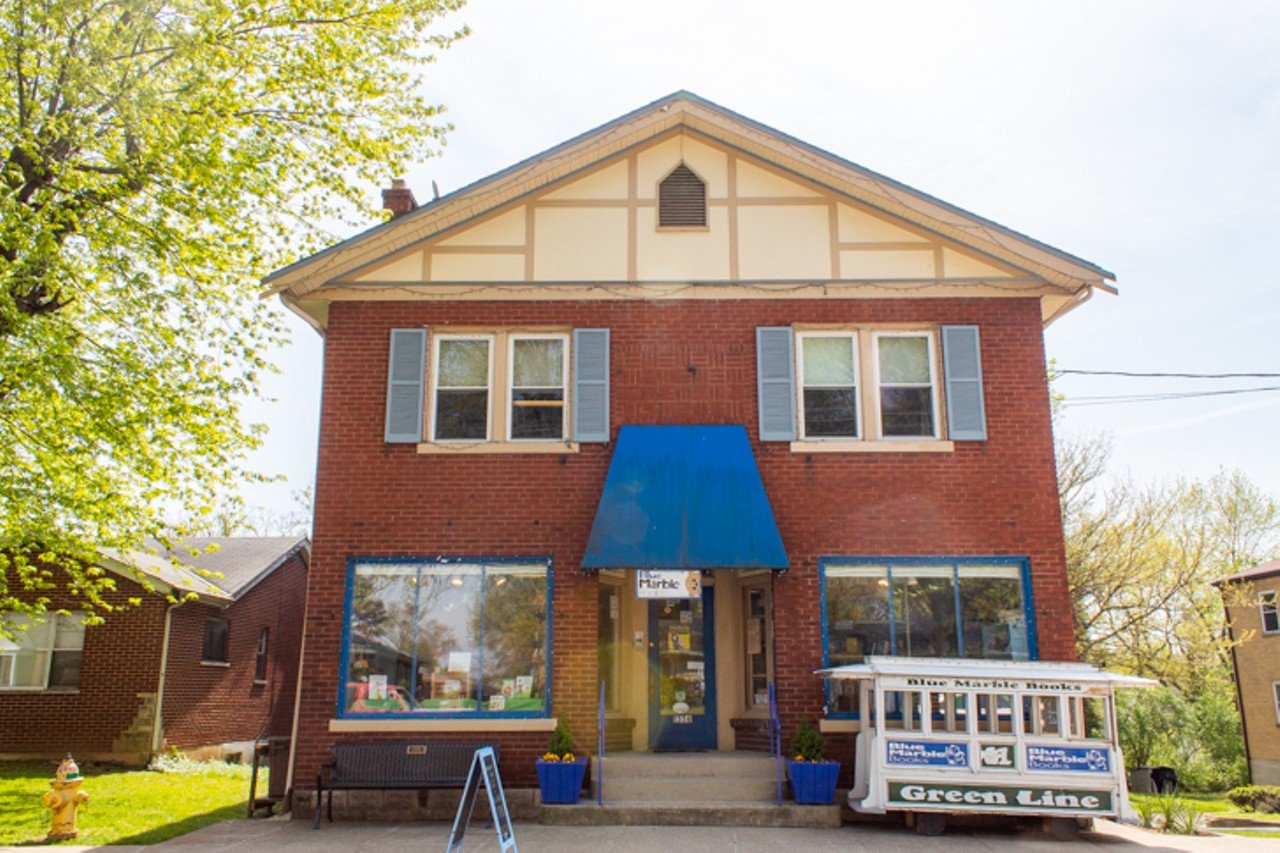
(1275, 694)
(463, 371)
(447, 637)
(906, 385)
(973, 608)
(260, 661)
(756, 643)
(215, 641)
(891, 374)
(41, 655)
(829, 385)
(682, 200)
(1267, 608)
(538, 373)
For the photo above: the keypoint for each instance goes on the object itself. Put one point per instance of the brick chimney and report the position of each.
(399, 199)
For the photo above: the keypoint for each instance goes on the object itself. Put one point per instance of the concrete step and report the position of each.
(700, 814)
(668, 765)
(694, 789)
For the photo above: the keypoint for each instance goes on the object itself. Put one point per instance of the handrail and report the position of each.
(600, 750)
(775, 738)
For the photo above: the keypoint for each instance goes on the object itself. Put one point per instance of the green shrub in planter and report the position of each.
(812, 776)
(560, 771)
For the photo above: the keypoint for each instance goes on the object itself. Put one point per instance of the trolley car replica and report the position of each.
(945, 736)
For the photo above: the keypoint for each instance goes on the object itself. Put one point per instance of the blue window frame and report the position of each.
(446, 637)
(974, 607)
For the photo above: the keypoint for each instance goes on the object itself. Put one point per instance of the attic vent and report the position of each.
(682, 199)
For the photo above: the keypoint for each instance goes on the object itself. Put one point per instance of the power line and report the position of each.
(1134, 374)
(1103, 400)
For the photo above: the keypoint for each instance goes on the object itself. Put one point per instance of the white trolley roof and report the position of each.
(1029, 675)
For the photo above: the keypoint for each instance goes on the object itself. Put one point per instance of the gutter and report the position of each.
(157, 725)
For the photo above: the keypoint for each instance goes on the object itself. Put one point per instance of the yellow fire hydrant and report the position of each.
(64, 799)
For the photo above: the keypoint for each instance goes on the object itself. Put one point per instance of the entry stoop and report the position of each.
(688, 789)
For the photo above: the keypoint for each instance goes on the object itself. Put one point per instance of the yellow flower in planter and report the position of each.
(570, 757)
(798, 757)
(550, 756)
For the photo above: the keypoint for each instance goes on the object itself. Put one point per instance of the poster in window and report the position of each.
(459, 662)
(524, 686)
(754, 634)
(377, 687)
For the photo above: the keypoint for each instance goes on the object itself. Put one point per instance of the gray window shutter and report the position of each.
(962, 367)
(405, 380)
(590, 384)
(775, 378)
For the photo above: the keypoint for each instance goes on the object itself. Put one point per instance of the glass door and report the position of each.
(682, 673)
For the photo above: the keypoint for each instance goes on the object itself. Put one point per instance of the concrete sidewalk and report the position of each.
(353, 837)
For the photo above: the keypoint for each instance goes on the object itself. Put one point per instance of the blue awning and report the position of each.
(684, 497)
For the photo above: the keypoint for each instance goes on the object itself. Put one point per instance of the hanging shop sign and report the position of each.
(668, 584)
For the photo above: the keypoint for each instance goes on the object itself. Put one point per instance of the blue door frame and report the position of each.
(671, 730)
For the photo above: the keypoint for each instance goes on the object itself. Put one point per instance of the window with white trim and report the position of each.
(1267, 610)
(462, 371)
(40, 655)
(828, 384)
(906, 385)
(893, 375)
(537, 375)
(1275, 694)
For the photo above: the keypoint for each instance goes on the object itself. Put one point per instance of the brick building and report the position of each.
(1252, 600)
(683, 342)
(206, 676)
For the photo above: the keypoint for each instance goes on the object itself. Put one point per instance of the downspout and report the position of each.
(297, 692)
(157, 725)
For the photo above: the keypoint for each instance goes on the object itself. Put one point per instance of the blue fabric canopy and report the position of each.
(684, 497)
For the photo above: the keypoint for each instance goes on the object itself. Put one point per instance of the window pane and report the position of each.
(26, 669)
(448, 644)
(64, 670)
(904, 359)
(830, 412)
(828, 360)
(215, 641)
(993, 617)
(609, 639)
(537, 414)
(69, 632)
(462, 414)
(857, 625)
(382, 633)
(906, 411)
(515, 640)
(924, 611)
(539, 363)
(757, 645)
(463, 363)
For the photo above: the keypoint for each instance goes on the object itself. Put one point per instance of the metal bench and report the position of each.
(397, 765)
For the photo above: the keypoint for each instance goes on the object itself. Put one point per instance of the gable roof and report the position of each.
(684, 110)
(236, 565)
(1262, 570)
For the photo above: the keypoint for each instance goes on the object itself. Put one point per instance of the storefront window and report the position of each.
(756, 643)
(922, 608)
(440, 637)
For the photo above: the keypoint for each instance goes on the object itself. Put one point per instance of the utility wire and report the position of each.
(1150, 398)
(1128, 373)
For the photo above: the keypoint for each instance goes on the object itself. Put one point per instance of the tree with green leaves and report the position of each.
(158, 157)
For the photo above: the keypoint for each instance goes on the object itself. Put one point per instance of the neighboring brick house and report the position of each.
(229, 656)
(1252, 600)
(682, 341)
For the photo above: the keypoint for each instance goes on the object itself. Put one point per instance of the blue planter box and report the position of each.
(813, 783)
(561, 782)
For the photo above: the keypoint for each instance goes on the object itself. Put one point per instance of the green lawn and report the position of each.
(125, 806)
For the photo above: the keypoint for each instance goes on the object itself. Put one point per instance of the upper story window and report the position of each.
(1267, 608)
(463, 369)
(896, 371)
(215, 641)
(906, 383)
(260, 659)
(682, 200)
(41, 655)
(538, 372)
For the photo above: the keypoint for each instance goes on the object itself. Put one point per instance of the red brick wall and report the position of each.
(997, 497)
(206, 704)
(121, 660)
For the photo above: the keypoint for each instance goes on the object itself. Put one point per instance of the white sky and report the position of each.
(1144, 137)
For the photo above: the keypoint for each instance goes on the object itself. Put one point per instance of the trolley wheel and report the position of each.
(1062, 828)
(931, 824)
